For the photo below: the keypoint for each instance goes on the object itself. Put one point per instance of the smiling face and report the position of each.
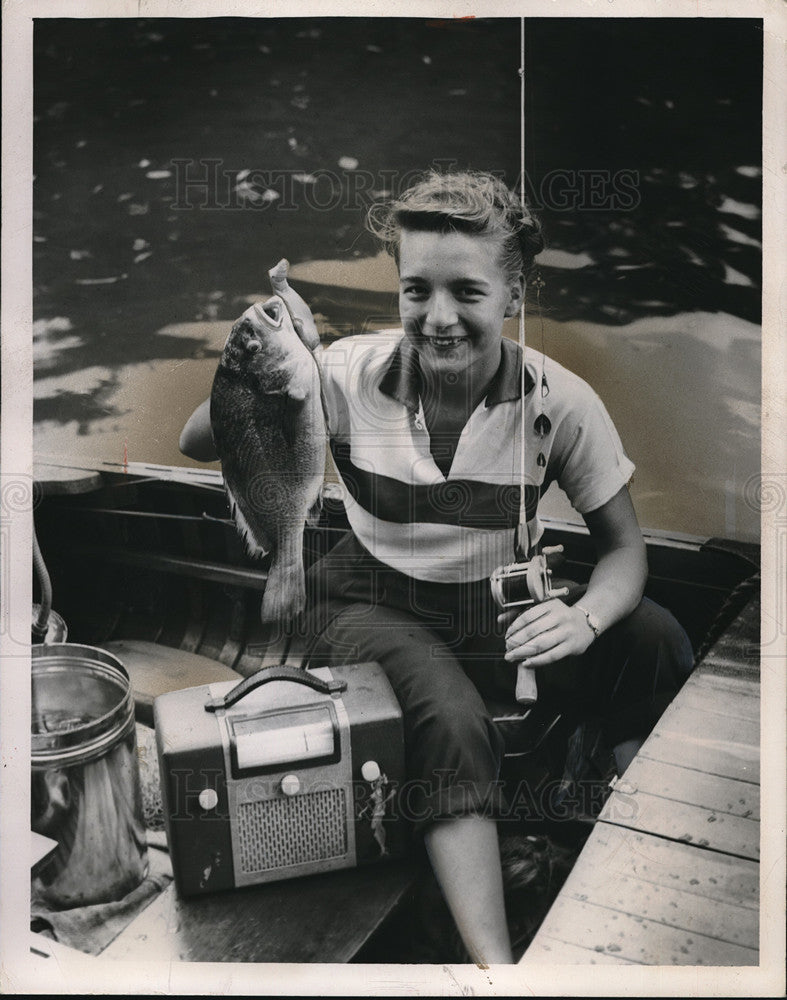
(453, 298)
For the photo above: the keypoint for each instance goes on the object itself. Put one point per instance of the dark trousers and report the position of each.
(442, 650)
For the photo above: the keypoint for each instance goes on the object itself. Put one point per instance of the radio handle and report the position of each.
(277, 673)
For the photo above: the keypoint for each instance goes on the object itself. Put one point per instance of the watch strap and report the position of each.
(592, 621)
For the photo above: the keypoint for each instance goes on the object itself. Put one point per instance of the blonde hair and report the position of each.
(472, 202)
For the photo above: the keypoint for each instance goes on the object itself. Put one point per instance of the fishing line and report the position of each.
(522, 544)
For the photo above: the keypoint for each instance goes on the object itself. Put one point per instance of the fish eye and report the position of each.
(253, 346)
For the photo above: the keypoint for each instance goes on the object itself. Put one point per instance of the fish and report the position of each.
(268, 422)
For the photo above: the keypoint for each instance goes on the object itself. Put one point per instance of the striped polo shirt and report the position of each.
(460, 527)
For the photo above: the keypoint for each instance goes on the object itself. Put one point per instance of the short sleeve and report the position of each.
(589, 461)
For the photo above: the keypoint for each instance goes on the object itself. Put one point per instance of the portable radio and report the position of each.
(287, 773)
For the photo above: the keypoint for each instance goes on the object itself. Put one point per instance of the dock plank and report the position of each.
(669, 781)
(740, 702)
(552, 951)
(635, 938)
(613, 853)
(688, 721)
(740, 761)
(685, 822)
(681, 910)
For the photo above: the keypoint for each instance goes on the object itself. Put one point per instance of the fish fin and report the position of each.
(300, 383)
(296, 391)
(291, 422)
(256, 547)
(285, 590)
(293, 390)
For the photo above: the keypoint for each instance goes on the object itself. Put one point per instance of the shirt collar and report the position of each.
(400, 380)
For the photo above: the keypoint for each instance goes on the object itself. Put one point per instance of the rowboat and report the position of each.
(144, 560)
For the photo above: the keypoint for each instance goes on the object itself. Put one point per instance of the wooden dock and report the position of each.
(670, 874)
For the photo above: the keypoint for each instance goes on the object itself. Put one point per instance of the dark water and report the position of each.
(643, 155)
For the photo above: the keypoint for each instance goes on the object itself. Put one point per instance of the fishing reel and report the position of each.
(521, 585)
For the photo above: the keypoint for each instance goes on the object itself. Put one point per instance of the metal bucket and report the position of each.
(85, 777)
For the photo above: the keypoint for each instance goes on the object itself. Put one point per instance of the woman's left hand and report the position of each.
(545, 633)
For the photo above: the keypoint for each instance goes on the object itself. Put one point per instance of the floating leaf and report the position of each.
(158, 175)
(79, 254)
(247, 192)
(299, 148)
(242, 174)
(142, 256)
(348, 163)
(373, 48)
(100, 281)
(140, 244)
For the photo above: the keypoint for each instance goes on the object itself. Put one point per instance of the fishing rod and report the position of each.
(526, 582)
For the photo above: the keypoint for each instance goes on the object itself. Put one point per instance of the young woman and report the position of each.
(425, 426)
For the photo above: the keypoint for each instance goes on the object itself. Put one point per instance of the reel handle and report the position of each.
(526, 686)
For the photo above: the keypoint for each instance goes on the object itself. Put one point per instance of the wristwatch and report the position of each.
(592, 621)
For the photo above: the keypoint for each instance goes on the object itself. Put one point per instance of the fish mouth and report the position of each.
(270, 312)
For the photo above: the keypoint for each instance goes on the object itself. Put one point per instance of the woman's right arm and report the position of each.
(196, 438)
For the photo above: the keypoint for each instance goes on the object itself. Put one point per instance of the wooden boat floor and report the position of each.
(670, 873)
(320, 918)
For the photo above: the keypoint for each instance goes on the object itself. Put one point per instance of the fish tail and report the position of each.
(285, 590)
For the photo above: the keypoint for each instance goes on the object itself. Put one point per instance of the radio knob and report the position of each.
(370, 771)
(208, 799)
(290, 784)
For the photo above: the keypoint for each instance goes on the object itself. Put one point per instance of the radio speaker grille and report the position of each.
(292, 830)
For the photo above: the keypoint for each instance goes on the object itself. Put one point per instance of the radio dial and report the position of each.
(370, 771)
(290, 784)
(208, 799)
